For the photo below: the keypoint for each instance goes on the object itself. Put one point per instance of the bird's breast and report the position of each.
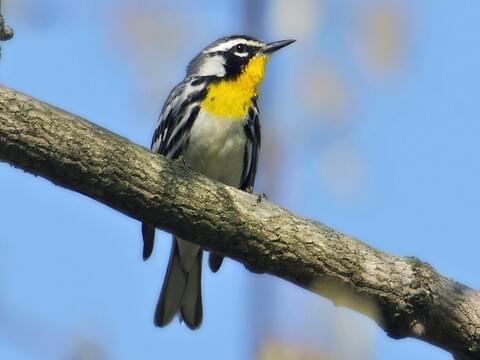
(216, 147)
(232, 98)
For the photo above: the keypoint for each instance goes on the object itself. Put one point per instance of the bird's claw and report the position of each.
(181, 161)
(260, 196)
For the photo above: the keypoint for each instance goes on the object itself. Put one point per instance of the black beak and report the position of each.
(276, 45)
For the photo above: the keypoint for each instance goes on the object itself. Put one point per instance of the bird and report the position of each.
(210, 121)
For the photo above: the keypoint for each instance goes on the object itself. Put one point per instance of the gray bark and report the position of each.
(404, 295)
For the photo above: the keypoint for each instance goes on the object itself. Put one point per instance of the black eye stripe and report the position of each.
(241, 48)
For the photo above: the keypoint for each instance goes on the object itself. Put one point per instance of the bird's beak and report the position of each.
(276, 45)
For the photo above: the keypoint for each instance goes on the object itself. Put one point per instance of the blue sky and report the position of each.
(70, 268)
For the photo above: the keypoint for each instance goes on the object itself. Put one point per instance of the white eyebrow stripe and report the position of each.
(231, 43)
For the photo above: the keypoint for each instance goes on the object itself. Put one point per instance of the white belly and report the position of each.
(217, 148)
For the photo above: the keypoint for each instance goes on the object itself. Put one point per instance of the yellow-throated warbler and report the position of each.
(211, 120)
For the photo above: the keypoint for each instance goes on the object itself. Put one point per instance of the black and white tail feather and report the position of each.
(181, 291)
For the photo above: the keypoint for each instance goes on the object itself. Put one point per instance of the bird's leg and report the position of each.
(260, 196)
(181, 160)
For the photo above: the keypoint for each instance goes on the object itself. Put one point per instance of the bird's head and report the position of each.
(232, 56)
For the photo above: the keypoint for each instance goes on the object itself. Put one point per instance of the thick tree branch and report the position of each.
(405, 296)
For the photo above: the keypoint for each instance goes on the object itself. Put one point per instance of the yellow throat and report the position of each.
(232, 98)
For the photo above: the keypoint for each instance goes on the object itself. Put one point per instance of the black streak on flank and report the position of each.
(198, 96)
(182, 135)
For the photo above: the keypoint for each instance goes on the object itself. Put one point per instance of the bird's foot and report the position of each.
(181, 161)
(260, 196)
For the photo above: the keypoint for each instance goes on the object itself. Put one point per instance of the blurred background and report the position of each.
(370, 125)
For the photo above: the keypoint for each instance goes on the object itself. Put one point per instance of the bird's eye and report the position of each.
(240, 48)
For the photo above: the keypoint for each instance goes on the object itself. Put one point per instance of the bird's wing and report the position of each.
(252, 131)
(171, 133)
(177, 117)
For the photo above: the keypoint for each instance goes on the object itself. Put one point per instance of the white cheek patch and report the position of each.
(212, 66)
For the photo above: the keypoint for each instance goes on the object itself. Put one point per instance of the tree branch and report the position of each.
(405, 296)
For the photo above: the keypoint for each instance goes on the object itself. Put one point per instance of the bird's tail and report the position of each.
(181, 289)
